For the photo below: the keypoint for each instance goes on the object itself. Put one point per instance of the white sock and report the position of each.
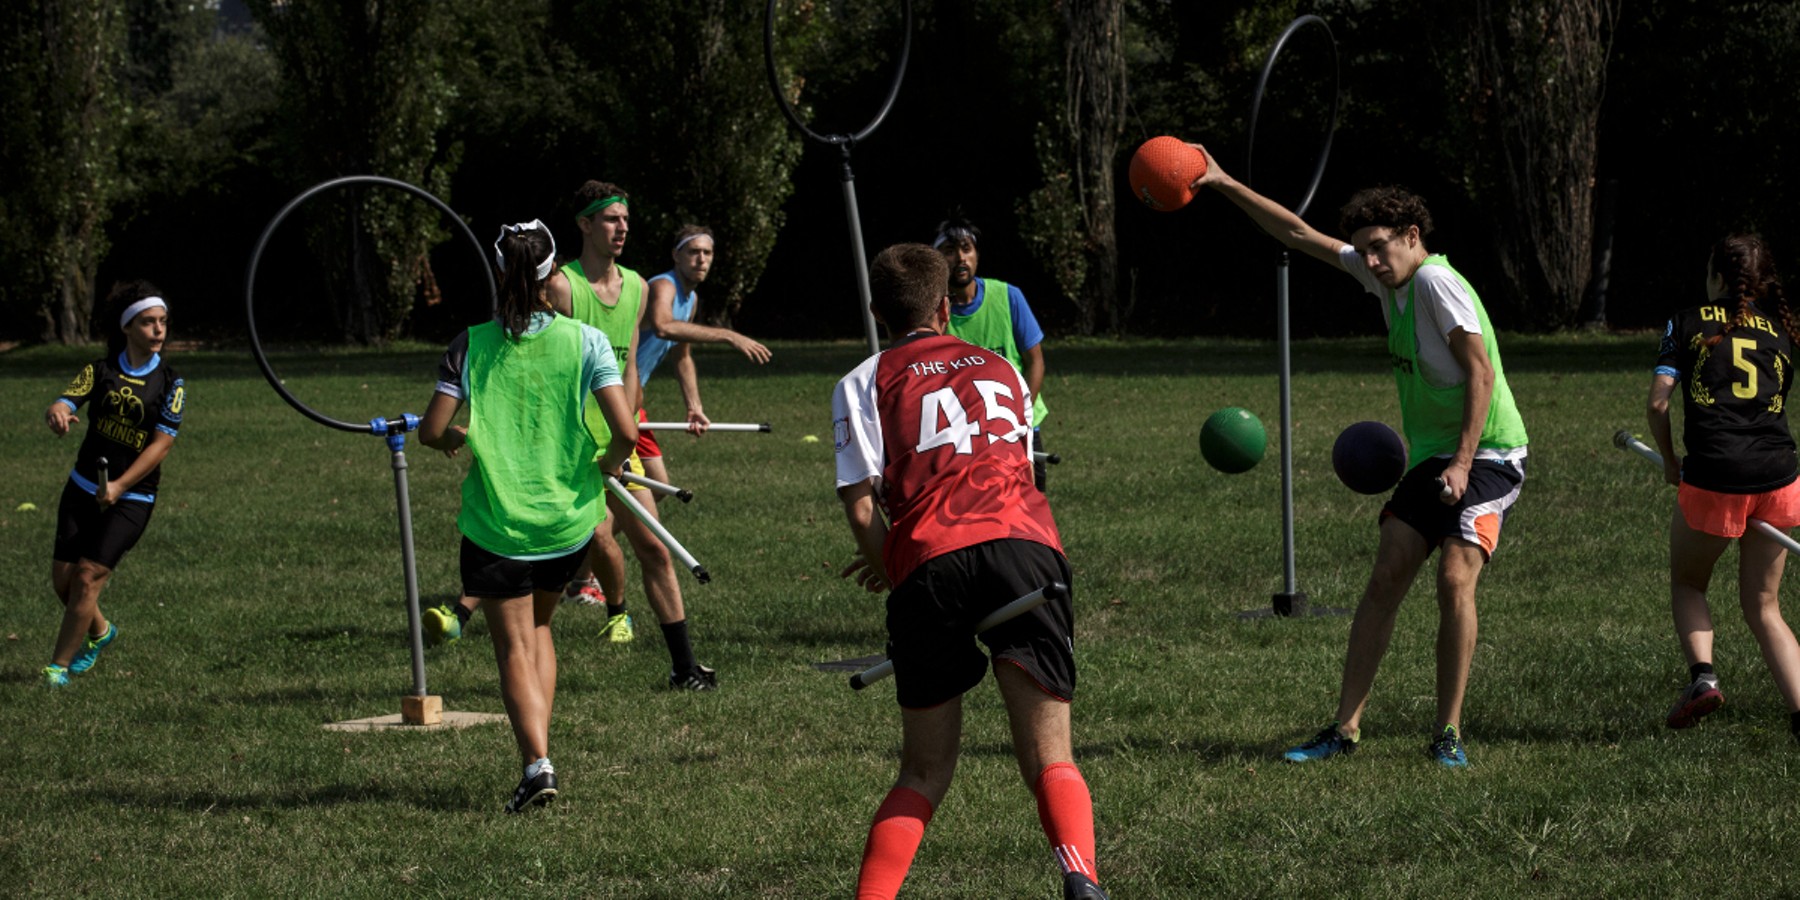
(542, 765)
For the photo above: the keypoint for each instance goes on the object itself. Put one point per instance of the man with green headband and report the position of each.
(1464, 436)
(597, 290)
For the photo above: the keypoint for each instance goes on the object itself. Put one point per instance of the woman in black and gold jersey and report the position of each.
(1733, 359)
(135, 403)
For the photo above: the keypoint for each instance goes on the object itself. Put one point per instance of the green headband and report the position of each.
(601, 204)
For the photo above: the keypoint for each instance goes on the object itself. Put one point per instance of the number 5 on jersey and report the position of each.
(998, 405)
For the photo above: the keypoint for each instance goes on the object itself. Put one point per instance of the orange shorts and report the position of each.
(646, 445)
(1727, 515)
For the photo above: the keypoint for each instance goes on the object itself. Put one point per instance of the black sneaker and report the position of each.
(699, 678)
(1077, 886)
(531, 792)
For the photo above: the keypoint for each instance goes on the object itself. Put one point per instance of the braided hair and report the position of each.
(1748, 269)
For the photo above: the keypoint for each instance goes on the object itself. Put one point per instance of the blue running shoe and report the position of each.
(90, 650)
(56, 676)
(1448, 749)
(440, 624)
(1329, 742)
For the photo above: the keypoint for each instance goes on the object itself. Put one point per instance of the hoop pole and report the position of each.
(403, 499)
(844, 142)
(858, 258)
(1291, 600)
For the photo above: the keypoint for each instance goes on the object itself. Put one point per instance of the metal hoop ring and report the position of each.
(256, 348)
(787, 108)
(1337, 96)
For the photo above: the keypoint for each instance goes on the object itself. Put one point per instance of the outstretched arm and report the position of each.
(669, 328)
(1272, 217)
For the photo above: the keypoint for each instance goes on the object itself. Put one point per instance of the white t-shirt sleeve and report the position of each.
(856, 426)
(1353, 263)
(1443, 302)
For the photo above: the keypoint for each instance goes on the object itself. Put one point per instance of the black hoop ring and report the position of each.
(1337, 96)
(787, 108)
(256, 347)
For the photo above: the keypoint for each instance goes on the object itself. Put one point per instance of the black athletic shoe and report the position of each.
(531, 792)
(1077, 886)
(699, 678)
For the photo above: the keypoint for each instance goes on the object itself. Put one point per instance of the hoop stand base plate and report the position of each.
(1293, 606)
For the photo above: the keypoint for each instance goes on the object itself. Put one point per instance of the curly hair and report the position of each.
(1748, 269)
(1389, 206)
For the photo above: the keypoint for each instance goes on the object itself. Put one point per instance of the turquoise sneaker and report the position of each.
(618, 629)
(440, 624)
(1448, 749)
(1329, 742)
(90, 650)
(56, 676)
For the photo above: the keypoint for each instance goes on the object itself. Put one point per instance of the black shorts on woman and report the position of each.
(84, 530)
(931, 618)
(489, 576)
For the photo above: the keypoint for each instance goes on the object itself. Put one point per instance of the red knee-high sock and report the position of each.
(893, 839)
(1066, 810)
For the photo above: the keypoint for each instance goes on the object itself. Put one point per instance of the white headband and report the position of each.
(138, 307)
(952, 234)
(544, 268)
(684, 241)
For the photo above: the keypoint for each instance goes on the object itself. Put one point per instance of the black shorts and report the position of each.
(490, 576)
(931, 615)
(85, 531)
(1476, 518)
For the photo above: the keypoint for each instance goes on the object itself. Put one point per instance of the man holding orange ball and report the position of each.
(1467, 442)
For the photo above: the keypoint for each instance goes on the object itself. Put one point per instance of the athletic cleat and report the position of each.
(532, 792)
(584, 593)
(618, 629)
(1077, 886)
(56, 676)
(90, 650)
(1448, 749)
(1696, 701)
(699, 678)
(1329, 742)
(440, 624)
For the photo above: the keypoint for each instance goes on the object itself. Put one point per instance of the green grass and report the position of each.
(266, 600)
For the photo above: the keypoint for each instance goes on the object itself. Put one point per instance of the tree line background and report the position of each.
(1579, 156)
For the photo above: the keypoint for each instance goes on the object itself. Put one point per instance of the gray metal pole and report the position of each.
(857, 254)
(397, 442)
(1287, 430)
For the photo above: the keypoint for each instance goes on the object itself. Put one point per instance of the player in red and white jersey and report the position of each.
(934, 470)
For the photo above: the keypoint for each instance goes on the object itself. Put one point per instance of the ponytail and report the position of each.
(526, 256)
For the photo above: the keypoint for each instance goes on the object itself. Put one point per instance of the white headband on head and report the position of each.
(132, 311)
(684, 241)
(952, 234)
(544, 268)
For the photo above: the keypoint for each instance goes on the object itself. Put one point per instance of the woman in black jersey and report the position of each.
(1733, 358)
(135, 403)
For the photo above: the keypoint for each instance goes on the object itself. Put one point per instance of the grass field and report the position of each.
(266, 601)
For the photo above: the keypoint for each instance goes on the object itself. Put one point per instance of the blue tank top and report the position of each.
(652, 349)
